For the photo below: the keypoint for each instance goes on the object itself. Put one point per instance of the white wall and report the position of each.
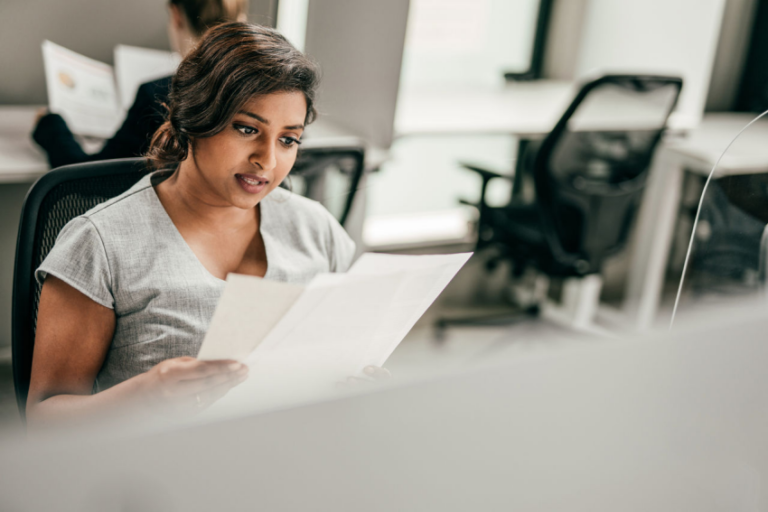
(292, 21)
(90, 27)
(676, 37)
(359, 46)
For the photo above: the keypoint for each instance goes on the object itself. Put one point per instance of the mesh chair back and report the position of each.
(54, 200)
(329, 173)
(591, 169)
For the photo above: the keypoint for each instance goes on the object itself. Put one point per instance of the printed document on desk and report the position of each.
(334, 326)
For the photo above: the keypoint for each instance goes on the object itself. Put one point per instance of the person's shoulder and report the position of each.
(154, 92)
(311, 222)
(116, 209)
(297, 205)
(160, 86)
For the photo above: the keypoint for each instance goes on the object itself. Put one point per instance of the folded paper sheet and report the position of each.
(334, 326)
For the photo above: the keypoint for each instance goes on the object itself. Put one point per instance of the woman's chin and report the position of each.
(245, 201)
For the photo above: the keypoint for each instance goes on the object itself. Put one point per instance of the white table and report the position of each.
(524, 109)
(20, 159)
(528, 110)
(696, 153)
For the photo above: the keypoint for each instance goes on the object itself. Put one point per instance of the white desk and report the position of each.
(658, 214)
(528, 110)
(21, 161)
(524, 109)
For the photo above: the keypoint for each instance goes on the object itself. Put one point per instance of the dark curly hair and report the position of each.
(232, 63)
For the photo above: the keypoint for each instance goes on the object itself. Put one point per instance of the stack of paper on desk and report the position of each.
(337, 324)
(85, 92)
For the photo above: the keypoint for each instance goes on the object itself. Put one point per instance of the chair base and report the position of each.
(577, 304)
(497, 320)
(574, 305)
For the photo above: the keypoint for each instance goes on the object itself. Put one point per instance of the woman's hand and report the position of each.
(42, 111)
(186, 384)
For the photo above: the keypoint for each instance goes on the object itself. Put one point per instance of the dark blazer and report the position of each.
(132, 139)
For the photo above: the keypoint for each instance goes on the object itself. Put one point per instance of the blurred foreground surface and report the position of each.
(669, 421)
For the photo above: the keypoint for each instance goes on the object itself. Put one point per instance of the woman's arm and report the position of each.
(72, 339)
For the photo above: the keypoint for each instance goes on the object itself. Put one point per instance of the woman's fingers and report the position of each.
(192, 369)
(40, 113)
(197, 369)
(192, 386)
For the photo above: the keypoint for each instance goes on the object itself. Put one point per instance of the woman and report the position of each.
(130, 287)
(187, 21)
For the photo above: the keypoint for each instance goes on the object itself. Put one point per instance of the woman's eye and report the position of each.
(290, 141)
(245, 130)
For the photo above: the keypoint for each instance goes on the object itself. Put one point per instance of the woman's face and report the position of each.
(249, 158)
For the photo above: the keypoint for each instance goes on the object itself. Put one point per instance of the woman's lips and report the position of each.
(251, 183)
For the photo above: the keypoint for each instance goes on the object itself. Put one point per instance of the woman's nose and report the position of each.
(264, 157)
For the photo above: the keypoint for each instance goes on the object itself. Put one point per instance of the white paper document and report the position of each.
(135, 66)
(334, 326)
(82, 91)
(85, 91)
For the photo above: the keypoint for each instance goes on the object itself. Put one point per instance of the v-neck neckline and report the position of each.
(181, 241)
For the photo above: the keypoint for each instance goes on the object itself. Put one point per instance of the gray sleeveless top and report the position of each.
(126, 254)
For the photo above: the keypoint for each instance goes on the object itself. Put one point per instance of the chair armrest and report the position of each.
(486, 174)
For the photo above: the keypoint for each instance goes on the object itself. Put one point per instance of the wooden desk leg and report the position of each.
(653, 238)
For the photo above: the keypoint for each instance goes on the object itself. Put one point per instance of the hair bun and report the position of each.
(168, 147)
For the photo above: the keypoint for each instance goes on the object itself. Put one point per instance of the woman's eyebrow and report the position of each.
(255, 116)
(266, 122)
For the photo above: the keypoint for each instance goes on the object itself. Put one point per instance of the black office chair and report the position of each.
(69, 191)
(588, 176)
(54, 200)
(330, 172)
